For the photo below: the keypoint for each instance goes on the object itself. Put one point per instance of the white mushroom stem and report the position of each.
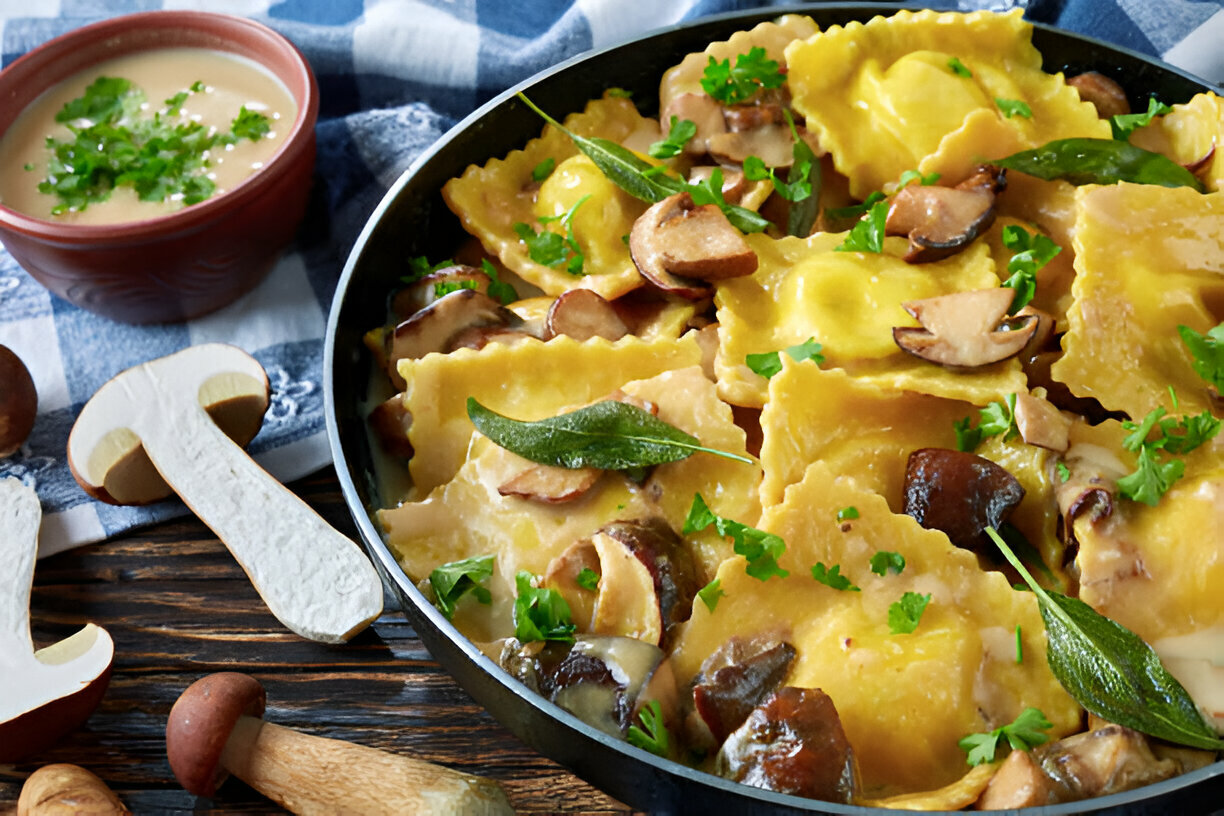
(315, 581)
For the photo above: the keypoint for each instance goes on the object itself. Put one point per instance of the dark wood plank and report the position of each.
(179, 607)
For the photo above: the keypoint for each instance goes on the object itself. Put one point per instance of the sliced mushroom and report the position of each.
(420, 293)
(793, 743)
(435, 327)
(390, 422)
(1087, 494)
(771, 143)
(702, 110)
(551, 485)
(1041, 424)
(680, 247)
(960, 494)
(732, 682)
(583, 314)
(965, 329)
(734, 185)
(941, 221)
(1106, 95)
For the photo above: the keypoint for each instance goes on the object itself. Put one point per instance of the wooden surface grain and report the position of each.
(179, 607)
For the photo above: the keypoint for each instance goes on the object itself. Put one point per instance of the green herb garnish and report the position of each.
(250, 125)
(855, 210)
(1150, 440)
(769, 363)
(588, 579)
(544, 169)
(1019, 646)
(1099, 161)
(1111, 671)
(710, 593)
(1022, 733)
(733, 85)
(652, 736)
(419, 267)
(1208, 352)
(549, 248)
(678, 135)
(914, 175)
(609, 435)
(1033, 251)
(1124, 124)
(832, 577)
(904, 615)
(995, 419)
(452, 581)
(847, 513)
(1014, 107)
(540, 613)
(884, 561)
(959, 68)
(1064, 472)
(759, 548)
(498, 289)
(868, 234)
(442, 288)
(801, 185)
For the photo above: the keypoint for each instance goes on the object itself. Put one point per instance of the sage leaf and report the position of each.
(1099, 161)
(1111, 671)
(803, 212)
(609, 435)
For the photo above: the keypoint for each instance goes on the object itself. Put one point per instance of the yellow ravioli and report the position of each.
(1191, 133)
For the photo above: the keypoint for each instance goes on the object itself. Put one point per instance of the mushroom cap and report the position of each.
(200, 723)
(18, 402)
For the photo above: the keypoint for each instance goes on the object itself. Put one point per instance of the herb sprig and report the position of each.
(736, 84)
(997, 418)
(652, 735)
(832, 577)
(678, 135)
(550, 248)
(769, 363)
(1033, 251)
(904, 615)
(540, 613)
(1124, 124)
(1208, 352)
(759, 548)
(1025, 732)
(1155, 436)
(1099, 161)
(452, 581)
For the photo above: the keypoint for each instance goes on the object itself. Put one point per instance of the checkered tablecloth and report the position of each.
(394, 75)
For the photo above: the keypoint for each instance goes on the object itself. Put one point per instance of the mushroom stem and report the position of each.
(315, 775)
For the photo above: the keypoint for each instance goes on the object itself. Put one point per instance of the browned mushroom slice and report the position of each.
(1106, 95)
(551, 485)
(679, 246)
(732, 682)
(959, 493)
(1042, 424)
(390, 422)
(771, 143)
(583, 314)
(1087, 494)
(670, 564)
(734, 183)
(420, 293)
(435, 327)
(793, 743)
(966, 329)
(940, 221)
(702, 110)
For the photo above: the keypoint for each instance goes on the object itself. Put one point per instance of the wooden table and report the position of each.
(179, 607)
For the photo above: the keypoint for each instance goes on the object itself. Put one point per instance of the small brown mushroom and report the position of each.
(215, 729)
(390, 422)
(583, 314)
(732, 682)
(419, 294)
(1041, 424)
(1106, 95)
(67, 790)
(941, 221)
(18, 402)
(680, 247)
(965, 329)
(551, 485)
(702, 110)
(960, 494)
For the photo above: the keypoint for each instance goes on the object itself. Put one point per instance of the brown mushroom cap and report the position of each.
(1105, 95)
(200, 724)
(679, 246)
(18, 402)
(436, 327)
(583, 314)
(966, 329)
(940, 221)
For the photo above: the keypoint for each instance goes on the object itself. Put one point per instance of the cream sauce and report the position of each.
(231, 81)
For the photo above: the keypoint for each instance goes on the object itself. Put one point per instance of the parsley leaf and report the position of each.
(832, 577)
(868, 234)
(1064, 472)
(446, 287)
(847, 513)
(1014, 107)
(549, 248)
(540, 613)
(759, 548)
(904, 615)
(420, 266)
(1033, 251)
(1208, 352)
(885, 560)
(856, 209)
(1022, 733)
(914, 175)
(250, 124)
(1153, 436)
(1124, 124)
(105, 101)
(452, 581)
(996, 418)
(498, 289)
(710, 593)
(544, 169)
(799, 190)
(959, 68)
(734, 85)
(678, 135)
(769, 363)
(588, 579)
(175, 103)
(653, 735)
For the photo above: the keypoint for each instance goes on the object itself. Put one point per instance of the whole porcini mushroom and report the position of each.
(67, 790)
(315, 580)
(18, 402)
(215, 729)
(965, 329)
(49, 692)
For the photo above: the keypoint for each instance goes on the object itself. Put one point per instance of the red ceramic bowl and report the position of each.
(198, 259)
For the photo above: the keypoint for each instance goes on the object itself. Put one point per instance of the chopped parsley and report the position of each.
(914, 175)
(419, 267)
(1151, 440)
(452, 581)
(250, 125)
(1208, 352)
(1014, 107)
(885, 561)
(1033, 251)
(588, 579)
(959, 68)
(1019, 646)
(995, 419)
(759, 548)
(1023, 733)
(904, 615)
(446, 287)
(498, 289)
(733, 85)
(847, 513)
(1064, 472)
(678, 136)
(652, 735)
(540, 613)
(855, 210)
(769, 363)
(868, 234)
(544, 169)
(1124, 124)
(710, 593)
(832, 577)
(618, 93)
(549, 248)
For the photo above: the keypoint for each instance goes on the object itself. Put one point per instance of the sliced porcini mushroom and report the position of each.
(477, 337)
(732, 682)
(680, 247)
(18, 402)
(793, 742)
(316, 581)
(702, 110)
(583, 314)
(435, 327)
(960, 494)
(390, 422)
(1105, 95)
(550, 485)
(1042, 424)
(406, 302)
(965, 329)
(51, 691)
(941, 221)
(771, 143)
(1087, 494)
(61, 789)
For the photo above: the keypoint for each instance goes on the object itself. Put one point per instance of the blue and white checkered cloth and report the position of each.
(394, 75)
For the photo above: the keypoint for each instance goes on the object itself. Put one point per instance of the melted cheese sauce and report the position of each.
(231, 82)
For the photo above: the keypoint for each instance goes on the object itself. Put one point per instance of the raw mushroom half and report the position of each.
(965, 329)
